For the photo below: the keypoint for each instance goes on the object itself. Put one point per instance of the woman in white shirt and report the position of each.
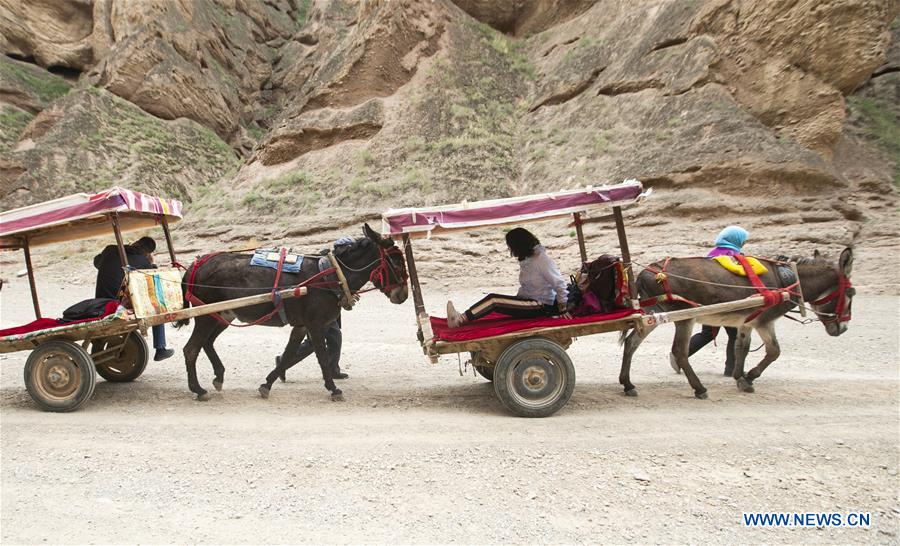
(542, 289)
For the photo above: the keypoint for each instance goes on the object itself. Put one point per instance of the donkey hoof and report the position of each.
(217, 383)
(337, 395)
(203, 397)
(264, 391)
(631, 392)
(744, 384)
(701, 395)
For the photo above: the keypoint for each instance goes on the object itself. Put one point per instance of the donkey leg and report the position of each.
(631, 343)
(741, 350)
(213, 356)
(283, 363)
(680, 348)
(203, 326)
(316, 334)
(773, 350)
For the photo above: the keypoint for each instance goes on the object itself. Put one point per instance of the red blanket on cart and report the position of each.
(496, 324)
(47, 323)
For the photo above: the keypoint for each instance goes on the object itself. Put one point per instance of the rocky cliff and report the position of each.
(316, 114)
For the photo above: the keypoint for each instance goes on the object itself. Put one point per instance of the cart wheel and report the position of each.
(59, 376)
(130, 364)
(485, 372)
(534, 378)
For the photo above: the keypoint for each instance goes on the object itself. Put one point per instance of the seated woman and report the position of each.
(542, 290)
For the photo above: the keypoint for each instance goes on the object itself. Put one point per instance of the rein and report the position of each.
(380, 276)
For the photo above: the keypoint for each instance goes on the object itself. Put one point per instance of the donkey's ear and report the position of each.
(375, 237)
(817, 255)
(846, 261)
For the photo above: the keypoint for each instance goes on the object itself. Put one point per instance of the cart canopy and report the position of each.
(418, 222)
(82, 216)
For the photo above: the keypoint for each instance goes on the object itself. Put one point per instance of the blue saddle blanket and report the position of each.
(268, 257)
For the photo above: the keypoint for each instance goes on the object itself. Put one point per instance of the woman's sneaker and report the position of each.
(454, 319)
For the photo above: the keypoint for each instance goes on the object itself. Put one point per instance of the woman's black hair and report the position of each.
(521, 242)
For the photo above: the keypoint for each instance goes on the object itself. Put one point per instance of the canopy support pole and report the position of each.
(114, 218)
(413, 276)
(580, 232)
(626, 255)
(30, 269)
(165, 225)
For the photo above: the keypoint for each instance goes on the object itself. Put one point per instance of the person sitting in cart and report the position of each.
(542, 289)
(110, 276)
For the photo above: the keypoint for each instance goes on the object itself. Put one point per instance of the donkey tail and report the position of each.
(622, 335)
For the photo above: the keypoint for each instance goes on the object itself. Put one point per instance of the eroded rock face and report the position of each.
(205, 60)
(90, 140)
(52, 33)
(731, 108)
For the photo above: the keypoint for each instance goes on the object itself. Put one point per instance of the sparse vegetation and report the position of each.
(12, 122)
(882, 124)
(48, 87)
(303, 12)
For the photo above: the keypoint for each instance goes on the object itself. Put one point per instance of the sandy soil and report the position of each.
(419, 454)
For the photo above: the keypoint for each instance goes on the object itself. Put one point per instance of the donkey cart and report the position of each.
(526, 359)
(60, 372)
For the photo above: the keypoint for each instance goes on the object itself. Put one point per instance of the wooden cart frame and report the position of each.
(531, 372)
(60, 372)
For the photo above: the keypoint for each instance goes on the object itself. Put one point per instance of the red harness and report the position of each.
(380, 277)
(277, 302)
(839, 312)
(771, 297)
(663, 279)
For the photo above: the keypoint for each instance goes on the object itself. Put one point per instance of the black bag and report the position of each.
(87, 309)
(605, 279)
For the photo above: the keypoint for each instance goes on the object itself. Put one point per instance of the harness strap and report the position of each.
(771, 298)
(341, 279)
(663, 279)
(843, 285)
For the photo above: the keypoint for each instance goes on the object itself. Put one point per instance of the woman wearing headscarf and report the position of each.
(729, 242)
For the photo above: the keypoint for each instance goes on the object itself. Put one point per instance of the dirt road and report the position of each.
(419, 454)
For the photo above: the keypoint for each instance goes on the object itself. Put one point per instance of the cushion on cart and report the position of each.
(496, 324)
(50, 323)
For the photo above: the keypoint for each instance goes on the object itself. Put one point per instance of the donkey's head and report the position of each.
(388, 272)
(832, 304)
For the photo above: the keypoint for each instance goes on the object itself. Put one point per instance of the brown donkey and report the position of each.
(825, 288)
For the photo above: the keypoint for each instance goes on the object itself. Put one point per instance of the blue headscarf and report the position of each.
(732, 238)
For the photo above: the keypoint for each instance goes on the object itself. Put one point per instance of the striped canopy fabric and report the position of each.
(418, 222)
(83, 215)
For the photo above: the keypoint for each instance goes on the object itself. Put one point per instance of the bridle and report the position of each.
(842, 310)
(383, 274)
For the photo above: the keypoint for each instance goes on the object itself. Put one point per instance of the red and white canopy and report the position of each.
(432, 220)
(82, 216)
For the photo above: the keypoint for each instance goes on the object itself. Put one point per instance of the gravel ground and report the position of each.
(419, 454)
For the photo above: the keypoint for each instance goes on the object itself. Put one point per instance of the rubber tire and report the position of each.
(136, 344)
(534, 347)
(79, 359)
(485, 372)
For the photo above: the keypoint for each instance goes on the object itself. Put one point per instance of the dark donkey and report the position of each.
(825, 288)
(228, 276)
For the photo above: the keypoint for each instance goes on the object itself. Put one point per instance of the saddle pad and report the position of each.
(268, 257)
(732, 265)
